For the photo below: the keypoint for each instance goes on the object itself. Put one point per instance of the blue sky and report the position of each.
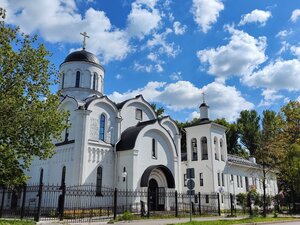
(241, 54)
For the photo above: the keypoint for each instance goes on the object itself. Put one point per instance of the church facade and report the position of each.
(126, 146)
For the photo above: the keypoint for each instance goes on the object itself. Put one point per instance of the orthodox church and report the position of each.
(109, 143)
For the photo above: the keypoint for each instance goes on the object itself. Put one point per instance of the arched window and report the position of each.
(63, 176)
(194, 150)
(204, 149)
(63, 81)
(99, 182)
(154, 155)
(77, 79)
(95, 81)
(216, 148)
(222, 150)
(102, 127)
(41, 175)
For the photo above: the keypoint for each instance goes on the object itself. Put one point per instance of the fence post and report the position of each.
(148, 203)
(40, 195)
(61, 201)
(231, 204)
(219, 205)
(2, 201)
(176, 204)
(115, 203)
(23, 201)
(199, 200)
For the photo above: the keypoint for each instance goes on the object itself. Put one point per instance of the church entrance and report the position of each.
(156, 196)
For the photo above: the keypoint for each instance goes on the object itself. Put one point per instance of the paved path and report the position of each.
(163, 221)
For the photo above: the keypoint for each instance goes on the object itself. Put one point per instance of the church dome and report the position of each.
(82, 55)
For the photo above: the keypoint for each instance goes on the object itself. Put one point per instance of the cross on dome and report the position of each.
(84, 34)
(203, 97)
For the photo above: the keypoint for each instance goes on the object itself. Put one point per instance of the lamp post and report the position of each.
(124, 175)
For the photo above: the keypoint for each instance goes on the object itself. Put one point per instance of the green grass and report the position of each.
(237, 221)
(16, 222)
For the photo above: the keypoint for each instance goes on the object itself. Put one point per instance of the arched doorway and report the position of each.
(156, 196)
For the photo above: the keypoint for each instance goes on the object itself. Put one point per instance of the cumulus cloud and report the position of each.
(269, 97)
(149, 68)
(206, 13)
(224, 101)
(284, 33)
(240, 56)
(178, 28)
(277, 75)
(160, 42)
(58, 21)
(256, 16)
(295, 51)
(143, 18)
(175, 76)
(295, 15)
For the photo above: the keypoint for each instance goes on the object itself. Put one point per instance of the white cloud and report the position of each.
(148, 68)
(295, 15)
(285, 47)
(159, 41)
(298, 99)
(277, 75)
(296, 51)
(178, 29)
(119, 76)
(284, 33)
(58, 21)
(143, 18)
(224, 101)
(206, 13)
(256, 16)
(175, 76)
(269, 97)
(240, 56)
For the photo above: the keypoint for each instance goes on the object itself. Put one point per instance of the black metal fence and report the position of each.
(88, 204)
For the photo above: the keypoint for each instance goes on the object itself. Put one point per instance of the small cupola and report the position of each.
(204, 110)
(82, 75)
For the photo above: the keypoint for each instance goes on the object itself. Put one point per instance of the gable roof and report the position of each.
(242, 161)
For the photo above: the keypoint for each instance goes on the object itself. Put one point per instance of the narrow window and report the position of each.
(95, 81)
(201, 179)
(99, 182)
(139, 114)
(238, 180)
(77, 79)
(216, 148)
(63, 176)
(124, 177)
(67, 129)
(41, 175)
(102, 127)
(184, 180)
(218, 179)
(223, 179)
(222, 150)
(204, 148)
(241, 180)
(63, 81)
(232, 177)
(154, 155)
(194, 149)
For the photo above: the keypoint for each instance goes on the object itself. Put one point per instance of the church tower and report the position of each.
(82, 75)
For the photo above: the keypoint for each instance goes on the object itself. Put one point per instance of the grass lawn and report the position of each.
(237, 221)
(16, 222)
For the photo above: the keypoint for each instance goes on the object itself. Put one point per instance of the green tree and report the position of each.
(29, 119)
(158, 111)
(289, 143)
(249, 130)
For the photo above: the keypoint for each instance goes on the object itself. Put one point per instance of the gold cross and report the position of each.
(84, 34)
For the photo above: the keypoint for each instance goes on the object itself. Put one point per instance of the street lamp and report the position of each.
(124, 175)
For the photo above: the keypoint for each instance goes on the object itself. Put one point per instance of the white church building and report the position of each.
(108, 143)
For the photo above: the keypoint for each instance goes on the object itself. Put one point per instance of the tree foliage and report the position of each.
(29, 119)
(158, 111)
(249, 130)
